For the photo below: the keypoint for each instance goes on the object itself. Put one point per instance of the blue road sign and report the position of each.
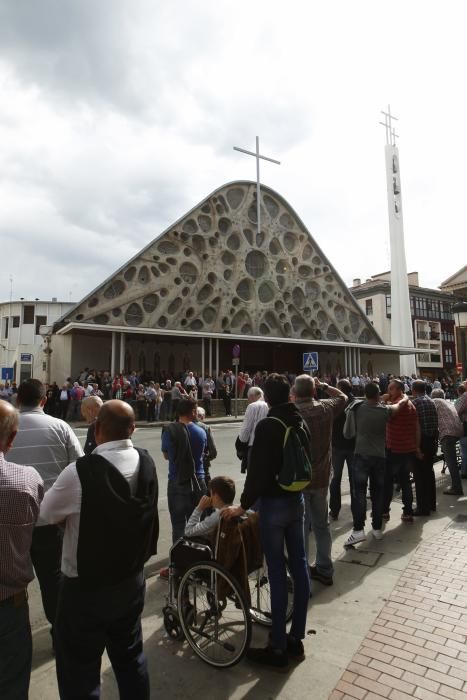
(7, 374)
(310, 361)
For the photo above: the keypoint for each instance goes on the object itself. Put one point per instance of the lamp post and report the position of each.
(460, 319)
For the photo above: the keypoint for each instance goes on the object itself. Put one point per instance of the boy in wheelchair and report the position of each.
(222, 496)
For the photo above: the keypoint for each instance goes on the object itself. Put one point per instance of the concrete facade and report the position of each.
(21, 345)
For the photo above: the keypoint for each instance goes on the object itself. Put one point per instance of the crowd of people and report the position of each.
(90, 568)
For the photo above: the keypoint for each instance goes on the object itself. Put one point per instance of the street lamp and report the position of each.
(460, 319)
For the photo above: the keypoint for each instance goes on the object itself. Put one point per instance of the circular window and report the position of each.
(134, 315)
(256, 263)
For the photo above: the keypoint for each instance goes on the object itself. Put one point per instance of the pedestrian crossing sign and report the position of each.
(310, 361)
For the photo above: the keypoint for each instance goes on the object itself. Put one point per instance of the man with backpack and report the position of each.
(278, 470)
(319, 415)
(184, 444)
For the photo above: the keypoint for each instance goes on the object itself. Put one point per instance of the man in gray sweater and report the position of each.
(366, 421)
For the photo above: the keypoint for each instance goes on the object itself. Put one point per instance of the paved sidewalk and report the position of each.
(417, 644)
(416, 575)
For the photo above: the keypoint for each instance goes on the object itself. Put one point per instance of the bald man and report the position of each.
(21, 491)
(108, 503)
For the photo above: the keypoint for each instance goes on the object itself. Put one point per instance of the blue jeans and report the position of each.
(182, 499)
(364, 469)
(398, 468)
(15, 650)
(89, 622)
(317, 520)
(339, 457)
(281, 523)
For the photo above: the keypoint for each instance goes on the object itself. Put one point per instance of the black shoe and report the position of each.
(295, 650)
(451, 492)
(420, 513)
(268, 656)
(333, 516)
(463, 476)
(316, 576)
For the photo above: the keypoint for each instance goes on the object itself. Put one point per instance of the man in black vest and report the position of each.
(108, 503)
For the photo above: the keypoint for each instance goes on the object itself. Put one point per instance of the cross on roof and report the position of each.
(391, 135)
(258, 156)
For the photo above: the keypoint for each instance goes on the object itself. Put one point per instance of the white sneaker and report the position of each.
(377, 534)
(355, 537)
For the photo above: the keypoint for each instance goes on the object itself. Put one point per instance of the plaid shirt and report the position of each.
(21, 492)
(427, 416)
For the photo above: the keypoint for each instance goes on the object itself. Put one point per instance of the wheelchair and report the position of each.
(207, 607)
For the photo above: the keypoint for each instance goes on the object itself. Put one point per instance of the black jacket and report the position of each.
(266, 455)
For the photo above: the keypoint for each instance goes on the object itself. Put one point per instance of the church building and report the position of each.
(211, 281)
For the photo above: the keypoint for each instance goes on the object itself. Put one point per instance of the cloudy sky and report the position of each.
(118, 116)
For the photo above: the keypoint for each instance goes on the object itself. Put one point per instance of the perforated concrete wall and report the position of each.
(213, 272)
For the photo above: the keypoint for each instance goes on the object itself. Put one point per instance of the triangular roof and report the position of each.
(212, 272)
(459, 277)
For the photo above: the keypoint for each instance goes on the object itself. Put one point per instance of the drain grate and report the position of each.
(364, 557)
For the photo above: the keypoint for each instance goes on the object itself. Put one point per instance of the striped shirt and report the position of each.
(21, 492)
(401, 430)
(46, 443)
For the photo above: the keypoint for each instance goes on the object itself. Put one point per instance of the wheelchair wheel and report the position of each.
(260, 593)
(214, 615)
(172, 623)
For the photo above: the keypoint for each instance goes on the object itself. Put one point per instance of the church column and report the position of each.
(357, 360)
(210, 357)
(347, 369)
(217, 357)
(202, 358)
(122, 352)
(113, 355)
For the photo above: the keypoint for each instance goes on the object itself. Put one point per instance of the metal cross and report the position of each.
(390, 131)
(257, 156)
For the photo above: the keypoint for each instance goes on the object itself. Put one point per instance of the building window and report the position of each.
(28, 314)
(369, 307)
(40, 321)
(6, 323)
(15, 321)
(388, 305)
(448, 355)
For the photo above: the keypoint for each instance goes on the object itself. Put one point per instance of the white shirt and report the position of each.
(63, 500)
(255, 412)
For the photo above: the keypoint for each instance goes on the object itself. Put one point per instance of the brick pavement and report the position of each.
(417, 646)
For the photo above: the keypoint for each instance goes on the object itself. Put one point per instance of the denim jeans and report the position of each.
(366, 468)
(448, 445)
(281, 523)
(182, 500)
(46, 555)
(339, 457)
(89, 622)
(317, 520)
(463, 444)
(15, 651)
(398, 468)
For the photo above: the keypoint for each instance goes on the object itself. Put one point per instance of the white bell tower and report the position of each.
(401, 320)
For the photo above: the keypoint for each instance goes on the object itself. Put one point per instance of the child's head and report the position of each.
(222, 491)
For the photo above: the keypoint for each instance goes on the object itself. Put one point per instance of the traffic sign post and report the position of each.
(310, 362)
(235, 363)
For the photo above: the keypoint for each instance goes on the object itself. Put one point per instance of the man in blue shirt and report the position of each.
(183, 445)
